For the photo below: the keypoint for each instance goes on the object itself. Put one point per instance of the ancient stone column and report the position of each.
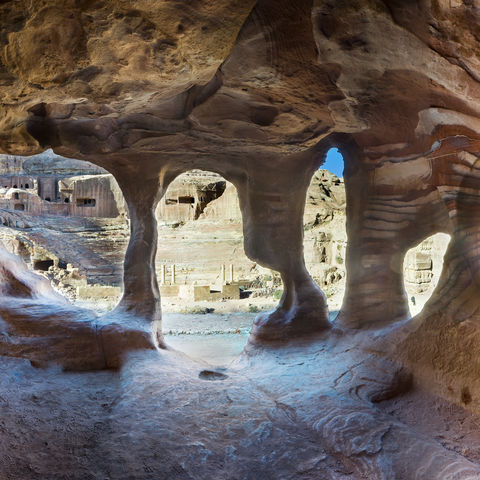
(162, 274)
(222, 274)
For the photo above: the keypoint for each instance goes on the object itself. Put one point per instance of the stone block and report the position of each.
(196, 293)
(231, 291)
(169, 290)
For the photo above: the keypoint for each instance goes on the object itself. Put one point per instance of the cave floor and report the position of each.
(324, 409)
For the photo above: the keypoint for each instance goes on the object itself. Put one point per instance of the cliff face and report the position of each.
(46, 163)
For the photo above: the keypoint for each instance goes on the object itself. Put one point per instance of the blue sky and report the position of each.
(334, 162)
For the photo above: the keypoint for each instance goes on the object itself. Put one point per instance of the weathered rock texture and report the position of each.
(40, 325)
(257, 92)
(188, 196)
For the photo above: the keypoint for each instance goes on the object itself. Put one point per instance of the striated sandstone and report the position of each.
(258, 92)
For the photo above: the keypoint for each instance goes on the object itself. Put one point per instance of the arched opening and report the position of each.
(422, 267)
(211, 292)
(82, 255)
(325, 237)
(334, 162)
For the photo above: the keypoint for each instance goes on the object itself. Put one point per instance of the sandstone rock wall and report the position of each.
(47, 163)
(423, 264)
(82, 195)
(92, 196)
(225, 207)
(188, 196)
(258, 92)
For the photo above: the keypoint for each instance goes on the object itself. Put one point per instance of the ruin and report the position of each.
(186, 200)
(257, 92)
(65, 191)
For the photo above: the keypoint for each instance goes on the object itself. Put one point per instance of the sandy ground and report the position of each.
(214, 338)
(253, 303)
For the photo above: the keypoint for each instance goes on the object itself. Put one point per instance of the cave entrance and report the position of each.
(422, 267)
(325, 236)
(210, 290)
(43, 265)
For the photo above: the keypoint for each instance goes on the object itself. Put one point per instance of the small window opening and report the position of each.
(15, 186)
(334, 163)
(19, 207)
(21, 185)
(27, 185)
(186, 200)
(47, 199)
(86, 202)
(171, 201)
(62, 264)
(16, 196)
(67, 200)
(43, 265)
(421, 270)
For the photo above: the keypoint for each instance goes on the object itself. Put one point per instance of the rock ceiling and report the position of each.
(114, 78)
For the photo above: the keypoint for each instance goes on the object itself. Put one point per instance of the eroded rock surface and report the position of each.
(40, 325)
(257, 92)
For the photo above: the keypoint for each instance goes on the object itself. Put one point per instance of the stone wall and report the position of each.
(423, 264)
(91, 196)
(83, 196)
(225, 207)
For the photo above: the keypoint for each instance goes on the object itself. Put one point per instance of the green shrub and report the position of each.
(277, 294)
(197, 310)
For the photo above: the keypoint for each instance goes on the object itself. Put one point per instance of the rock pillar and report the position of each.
(141, 297)
(272, 213)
